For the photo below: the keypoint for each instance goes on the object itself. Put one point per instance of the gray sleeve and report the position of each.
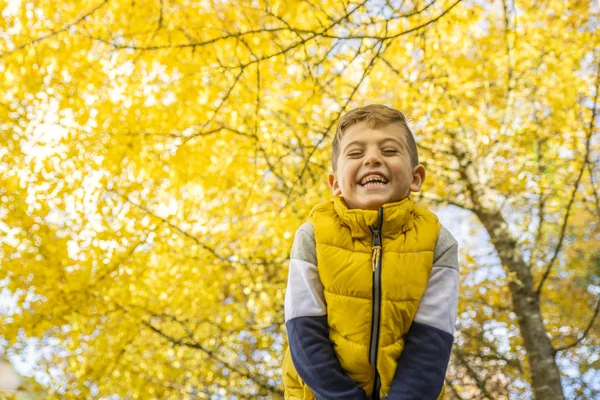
(304, 247)
(446, 250)
(304, 296)
(439, 304)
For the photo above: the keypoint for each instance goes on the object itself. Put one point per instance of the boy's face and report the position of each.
(373, 167)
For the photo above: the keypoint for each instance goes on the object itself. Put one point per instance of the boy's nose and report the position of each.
(372, 158)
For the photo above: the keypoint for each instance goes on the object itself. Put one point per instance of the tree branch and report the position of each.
(509, 33)
(180, 389)
(195, 345)
(413, 13)
(170, 224)
(192, 45)
(221, 104)
(585, 332)
(56, 32)
(221, 257)
(453, 389)
(445, 200)
(541, 204)
(478, 382)
(595, 191)
(586, 160)
(239, 35)
(332, 123)
(311, 35)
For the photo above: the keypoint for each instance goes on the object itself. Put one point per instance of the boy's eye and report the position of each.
(390, 151)
(354, 153)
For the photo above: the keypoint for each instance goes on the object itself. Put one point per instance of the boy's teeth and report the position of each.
(373, 179)
(374, 183)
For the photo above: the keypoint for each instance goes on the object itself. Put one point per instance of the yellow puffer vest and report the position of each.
(347, 263)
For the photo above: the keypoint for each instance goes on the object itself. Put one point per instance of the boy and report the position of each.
(372, 292)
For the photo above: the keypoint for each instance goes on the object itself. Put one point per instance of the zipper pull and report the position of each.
(376, 232)
(375, 257)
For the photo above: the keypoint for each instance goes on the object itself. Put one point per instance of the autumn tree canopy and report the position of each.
(156, 157)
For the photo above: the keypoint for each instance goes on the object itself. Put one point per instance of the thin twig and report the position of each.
(56, 32)
(478, 382)
(585, 332)
(586, 160)
(211, 354)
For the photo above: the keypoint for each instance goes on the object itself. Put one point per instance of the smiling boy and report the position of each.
(372, 292)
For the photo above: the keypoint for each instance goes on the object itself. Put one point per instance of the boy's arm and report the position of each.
(422, 365)
(306, 321)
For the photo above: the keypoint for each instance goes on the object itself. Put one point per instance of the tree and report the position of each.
(158, 155)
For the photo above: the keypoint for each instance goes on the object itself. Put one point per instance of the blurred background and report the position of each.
(157, 156)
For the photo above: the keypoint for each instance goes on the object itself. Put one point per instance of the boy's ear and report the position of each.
(418, 178)
(333, 184)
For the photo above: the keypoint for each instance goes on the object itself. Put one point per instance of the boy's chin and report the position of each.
(371, 204)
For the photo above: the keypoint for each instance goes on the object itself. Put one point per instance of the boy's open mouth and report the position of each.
(373, 180)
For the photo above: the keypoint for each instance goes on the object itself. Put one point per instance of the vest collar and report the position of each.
(397, 218)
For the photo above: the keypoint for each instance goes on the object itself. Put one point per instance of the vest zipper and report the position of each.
(376, 305)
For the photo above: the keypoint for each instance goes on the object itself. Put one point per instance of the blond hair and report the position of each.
(374, 115)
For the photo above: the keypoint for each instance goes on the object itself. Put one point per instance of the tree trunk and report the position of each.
(545, 375)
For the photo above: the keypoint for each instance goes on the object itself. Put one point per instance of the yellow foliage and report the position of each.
(156, 158)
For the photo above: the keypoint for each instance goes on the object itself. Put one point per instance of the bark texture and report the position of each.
(545, 374)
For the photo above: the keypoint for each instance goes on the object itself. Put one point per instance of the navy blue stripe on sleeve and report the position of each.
(422, 365)
(316, 362)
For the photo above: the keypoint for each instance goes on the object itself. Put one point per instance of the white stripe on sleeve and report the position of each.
(439, 304)
(304, 295)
